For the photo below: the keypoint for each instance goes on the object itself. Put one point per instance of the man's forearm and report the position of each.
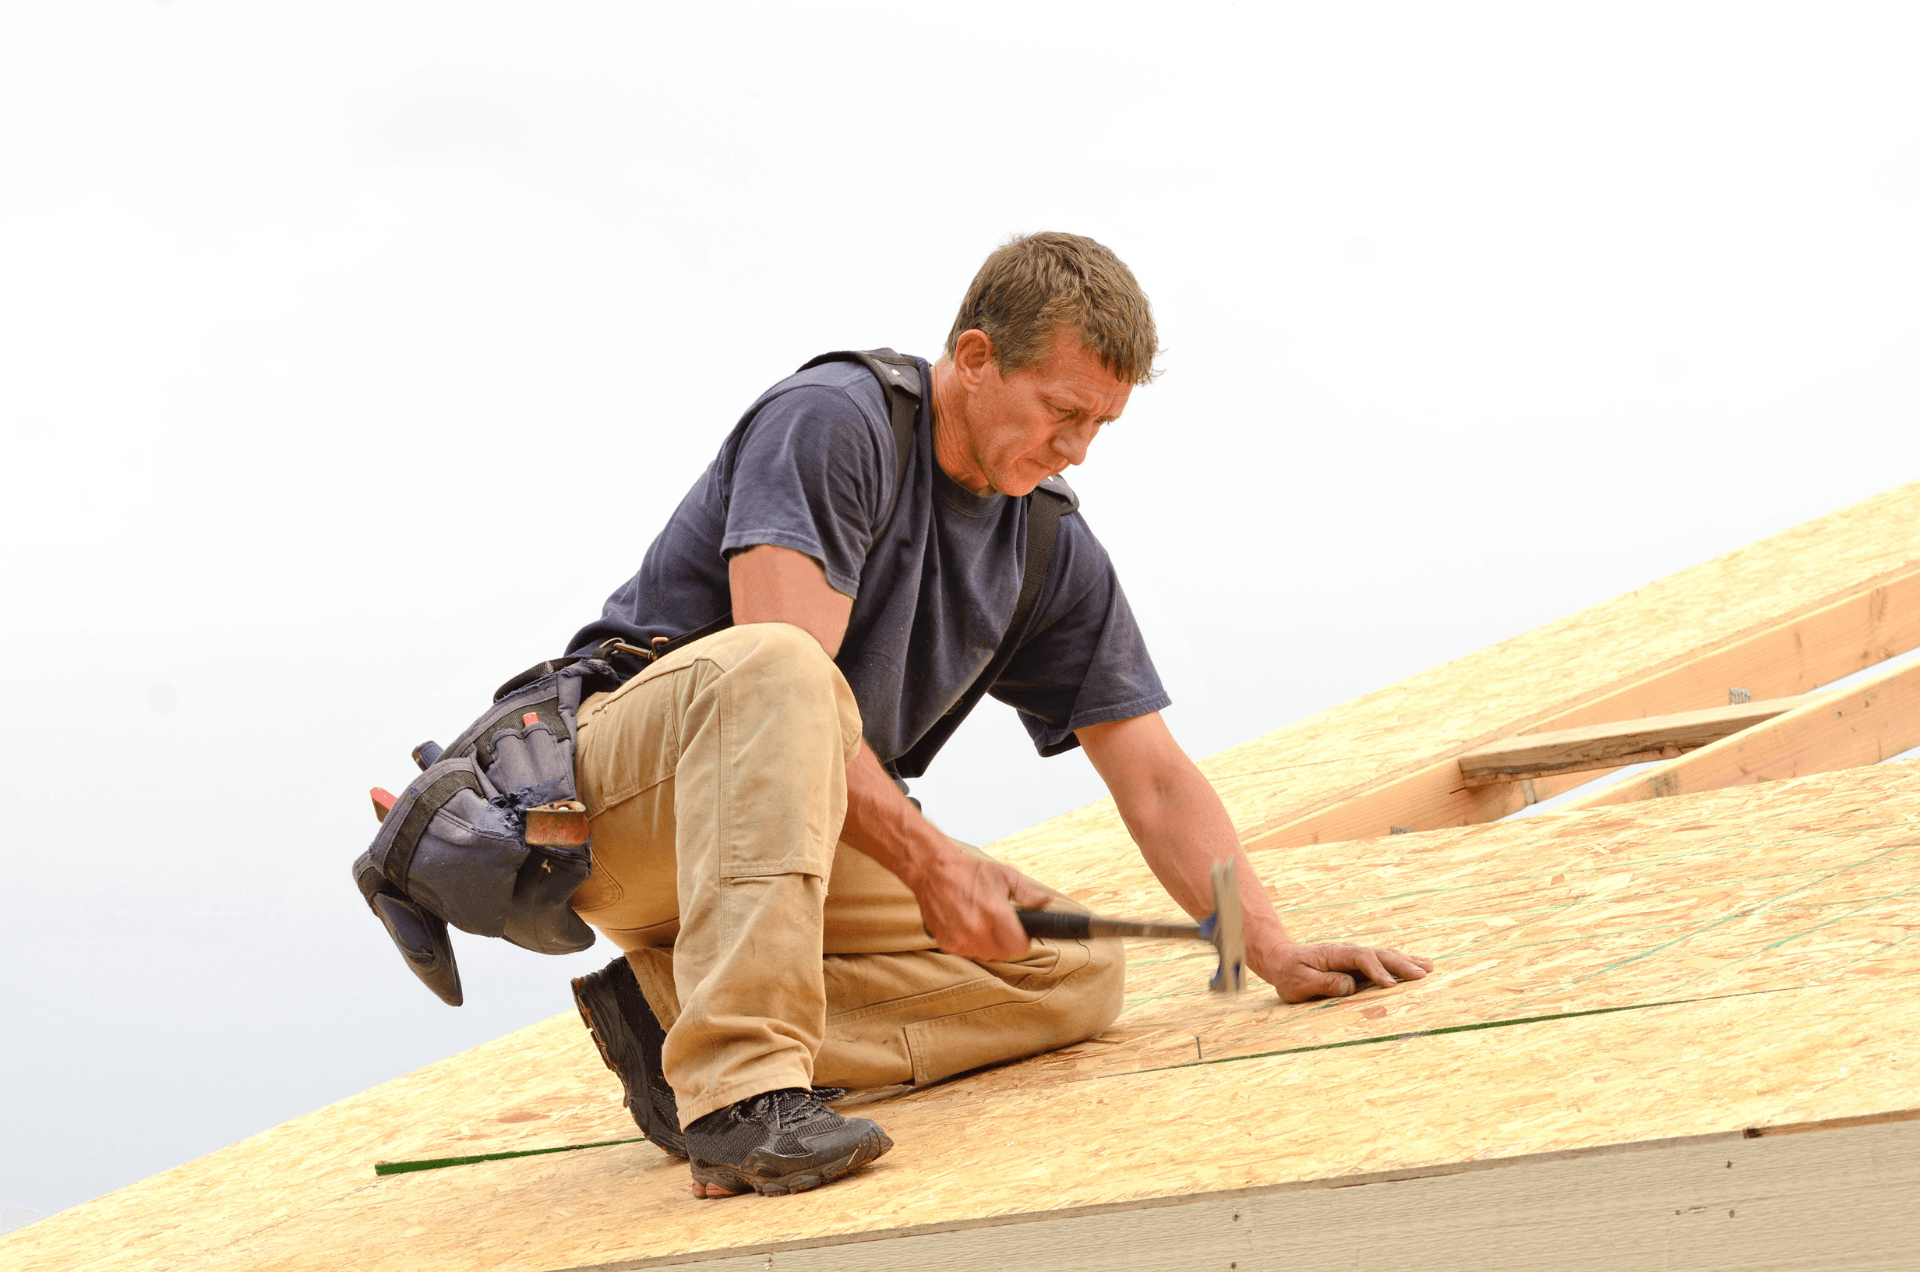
(1183, 830)
(964, 901)
(883, 824)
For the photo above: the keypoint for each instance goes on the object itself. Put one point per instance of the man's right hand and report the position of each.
(964, 901)
(967, 905)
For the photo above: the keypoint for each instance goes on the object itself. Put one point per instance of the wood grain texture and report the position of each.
(1781, 617)
(1608, 746)
(1731, 960)
(1770, 930)
(1864, 723)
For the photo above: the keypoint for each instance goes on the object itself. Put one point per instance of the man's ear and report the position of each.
(973, 358)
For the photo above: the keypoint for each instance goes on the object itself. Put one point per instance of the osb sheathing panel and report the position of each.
(1531, 680)
(1771, 931)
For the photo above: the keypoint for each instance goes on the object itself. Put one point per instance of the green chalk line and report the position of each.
(413, 1166)
(385, 1167)
(1437, 1031)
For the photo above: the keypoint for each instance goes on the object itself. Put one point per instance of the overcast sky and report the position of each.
(322, 326)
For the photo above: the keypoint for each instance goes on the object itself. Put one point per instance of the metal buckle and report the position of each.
(616, 644)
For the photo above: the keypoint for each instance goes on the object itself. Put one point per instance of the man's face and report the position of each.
(1027, 426)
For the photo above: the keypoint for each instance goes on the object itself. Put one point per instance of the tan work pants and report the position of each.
(775, 956)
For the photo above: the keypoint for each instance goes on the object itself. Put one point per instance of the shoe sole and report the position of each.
(584, 998)
(738, 1180)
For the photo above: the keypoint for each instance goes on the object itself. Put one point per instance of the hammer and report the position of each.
(1222, 929)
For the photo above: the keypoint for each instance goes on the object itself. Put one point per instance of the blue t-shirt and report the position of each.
(812, 466)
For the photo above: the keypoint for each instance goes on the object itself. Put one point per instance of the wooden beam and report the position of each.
(1790, 657)
(1862, 724)
(1798, 1201)
(1608, 746)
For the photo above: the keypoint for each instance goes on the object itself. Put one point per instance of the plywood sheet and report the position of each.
(1697, 965)
(1780, 617)
(1700, 963)
(968, 1155)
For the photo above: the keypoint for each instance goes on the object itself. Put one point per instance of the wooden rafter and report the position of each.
(1808, 648)
(1608, 746)
(1861, 724)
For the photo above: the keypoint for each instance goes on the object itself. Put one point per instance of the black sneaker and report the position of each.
(629, 1038)
(782, 1141)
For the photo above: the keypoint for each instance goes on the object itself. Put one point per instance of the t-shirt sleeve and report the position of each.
(1084, 661)
(808, 474)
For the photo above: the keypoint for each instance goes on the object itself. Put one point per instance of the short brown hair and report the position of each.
(1031, 284)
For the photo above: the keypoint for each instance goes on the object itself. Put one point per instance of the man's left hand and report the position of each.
(1332, 969)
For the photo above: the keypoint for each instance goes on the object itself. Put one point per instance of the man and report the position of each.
(793, 926)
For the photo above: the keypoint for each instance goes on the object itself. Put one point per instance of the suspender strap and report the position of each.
(900, 379)
(1052, 500)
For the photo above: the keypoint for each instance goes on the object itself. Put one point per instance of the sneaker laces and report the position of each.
(789, 1109)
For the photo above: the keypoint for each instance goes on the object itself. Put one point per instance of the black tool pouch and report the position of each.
(455, 847)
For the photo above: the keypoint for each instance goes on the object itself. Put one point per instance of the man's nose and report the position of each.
(1072, 443)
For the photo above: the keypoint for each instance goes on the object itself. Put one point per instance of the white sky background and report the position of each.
(351, 353)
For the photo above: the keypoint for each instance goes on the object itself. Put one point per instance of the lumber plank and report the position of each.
(1835, 1199)
(1700, 966)
(1862, 724)
(1609, 746)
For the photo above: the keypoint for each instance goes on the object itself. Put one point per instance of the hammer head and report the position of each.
(1222, 929)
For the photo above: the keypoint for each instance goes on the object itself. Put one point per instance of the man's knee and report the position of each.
(778, 647)
(778, 655)
(780, 671)
(1101, 987)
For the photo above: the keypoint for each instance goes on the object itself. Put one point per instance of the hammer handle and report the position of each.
(1068, 924)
